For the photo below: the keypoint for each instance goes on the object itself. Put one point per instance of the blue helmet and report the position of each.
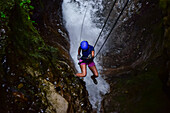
(84, 45)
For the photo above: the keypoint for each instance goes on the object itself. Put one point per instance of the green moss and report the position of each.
(141, 93)
(22, 46)
(165, 5)
(149, 95)
(26, 59)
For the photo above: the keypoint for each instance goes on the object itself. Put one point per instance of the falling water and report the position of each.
(73, 13)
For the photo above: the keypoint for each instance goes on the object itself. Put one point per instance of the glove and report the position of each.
(90, 56)
(78, 57)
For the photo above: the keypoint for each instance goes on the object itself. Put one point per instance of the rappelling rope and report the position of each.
(83, 24)
(113, 27)
(105, 22)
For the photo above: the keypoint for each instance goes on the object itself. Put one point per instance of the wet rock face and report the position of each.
(48, 16)
(133, 41)
(37, 76)
(164, 74)
(136, 67)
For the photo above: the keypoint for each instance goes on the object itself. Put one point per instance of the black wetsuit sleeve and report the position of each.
(92, 48)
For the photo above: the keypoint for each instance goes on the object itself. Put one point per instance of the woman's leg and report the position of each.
(94, 70)
(95, 73)
(83, 71)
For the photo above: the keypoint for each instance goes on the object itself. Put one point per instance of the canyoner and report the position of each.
(88, 50)
(85, 29)
(87, 59)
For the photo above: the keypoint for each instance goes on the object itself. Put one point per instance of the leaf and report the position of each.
(31, 7)
(28, 1)
(20, 85)
(29, 18)
(21, 4)
(2, 15)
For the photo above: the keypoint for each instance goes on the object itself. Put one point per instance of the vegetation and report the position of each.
(26, 61)
(165, 5)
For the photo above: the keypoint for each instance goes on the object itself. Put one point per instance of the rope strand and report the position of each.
(83, 24)
(112, 27)
(105, 22)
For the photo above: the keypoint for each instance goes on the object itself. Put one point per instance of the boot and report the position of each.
(94, 79)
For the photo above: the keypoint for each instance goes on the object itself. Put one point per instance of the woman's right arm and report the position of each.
(79, 50)
(79, 56)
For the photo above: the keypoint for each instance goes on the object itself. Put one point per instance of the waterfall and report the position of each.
(73, 14)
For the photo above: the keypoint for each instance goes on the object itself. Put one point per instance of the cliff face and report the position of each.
(49, 19)
(35, 70)
(137, 63)
(135, 38)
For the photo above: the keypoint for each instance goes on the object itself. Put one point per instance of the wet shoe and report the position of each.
(94, 79)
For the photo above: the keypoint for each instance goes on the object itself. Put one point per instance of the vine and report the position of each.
(26, 5)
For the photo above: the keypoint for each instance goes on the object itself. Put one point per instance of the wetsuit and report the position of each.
(83, 60)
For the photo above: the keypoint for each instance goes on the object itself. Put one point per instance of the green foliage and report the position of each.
(31, 7)
(163, 3)
(2, 15)
(5, 8)
(15, 15)
(26, 5)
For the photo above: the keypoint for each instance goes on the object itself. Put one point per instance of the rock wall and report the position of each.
(134, 41)
(35, 75)
(48, 16)
(137, 63)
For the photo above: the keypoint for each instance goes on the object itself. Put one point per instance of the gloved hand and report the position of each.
(78, 57)
(89, 57)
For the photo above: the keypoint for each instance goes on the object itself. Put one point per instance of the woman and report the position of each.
(87, 59)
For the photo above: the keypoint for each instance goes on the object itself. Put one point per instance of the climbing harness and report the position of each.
(86, 61)
(112, 27)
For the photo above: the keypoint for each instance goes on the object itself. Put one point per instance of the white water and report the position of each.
(73, 14)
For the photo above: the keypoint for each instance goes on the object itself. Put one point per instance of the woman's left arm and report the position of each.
(92, 54)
